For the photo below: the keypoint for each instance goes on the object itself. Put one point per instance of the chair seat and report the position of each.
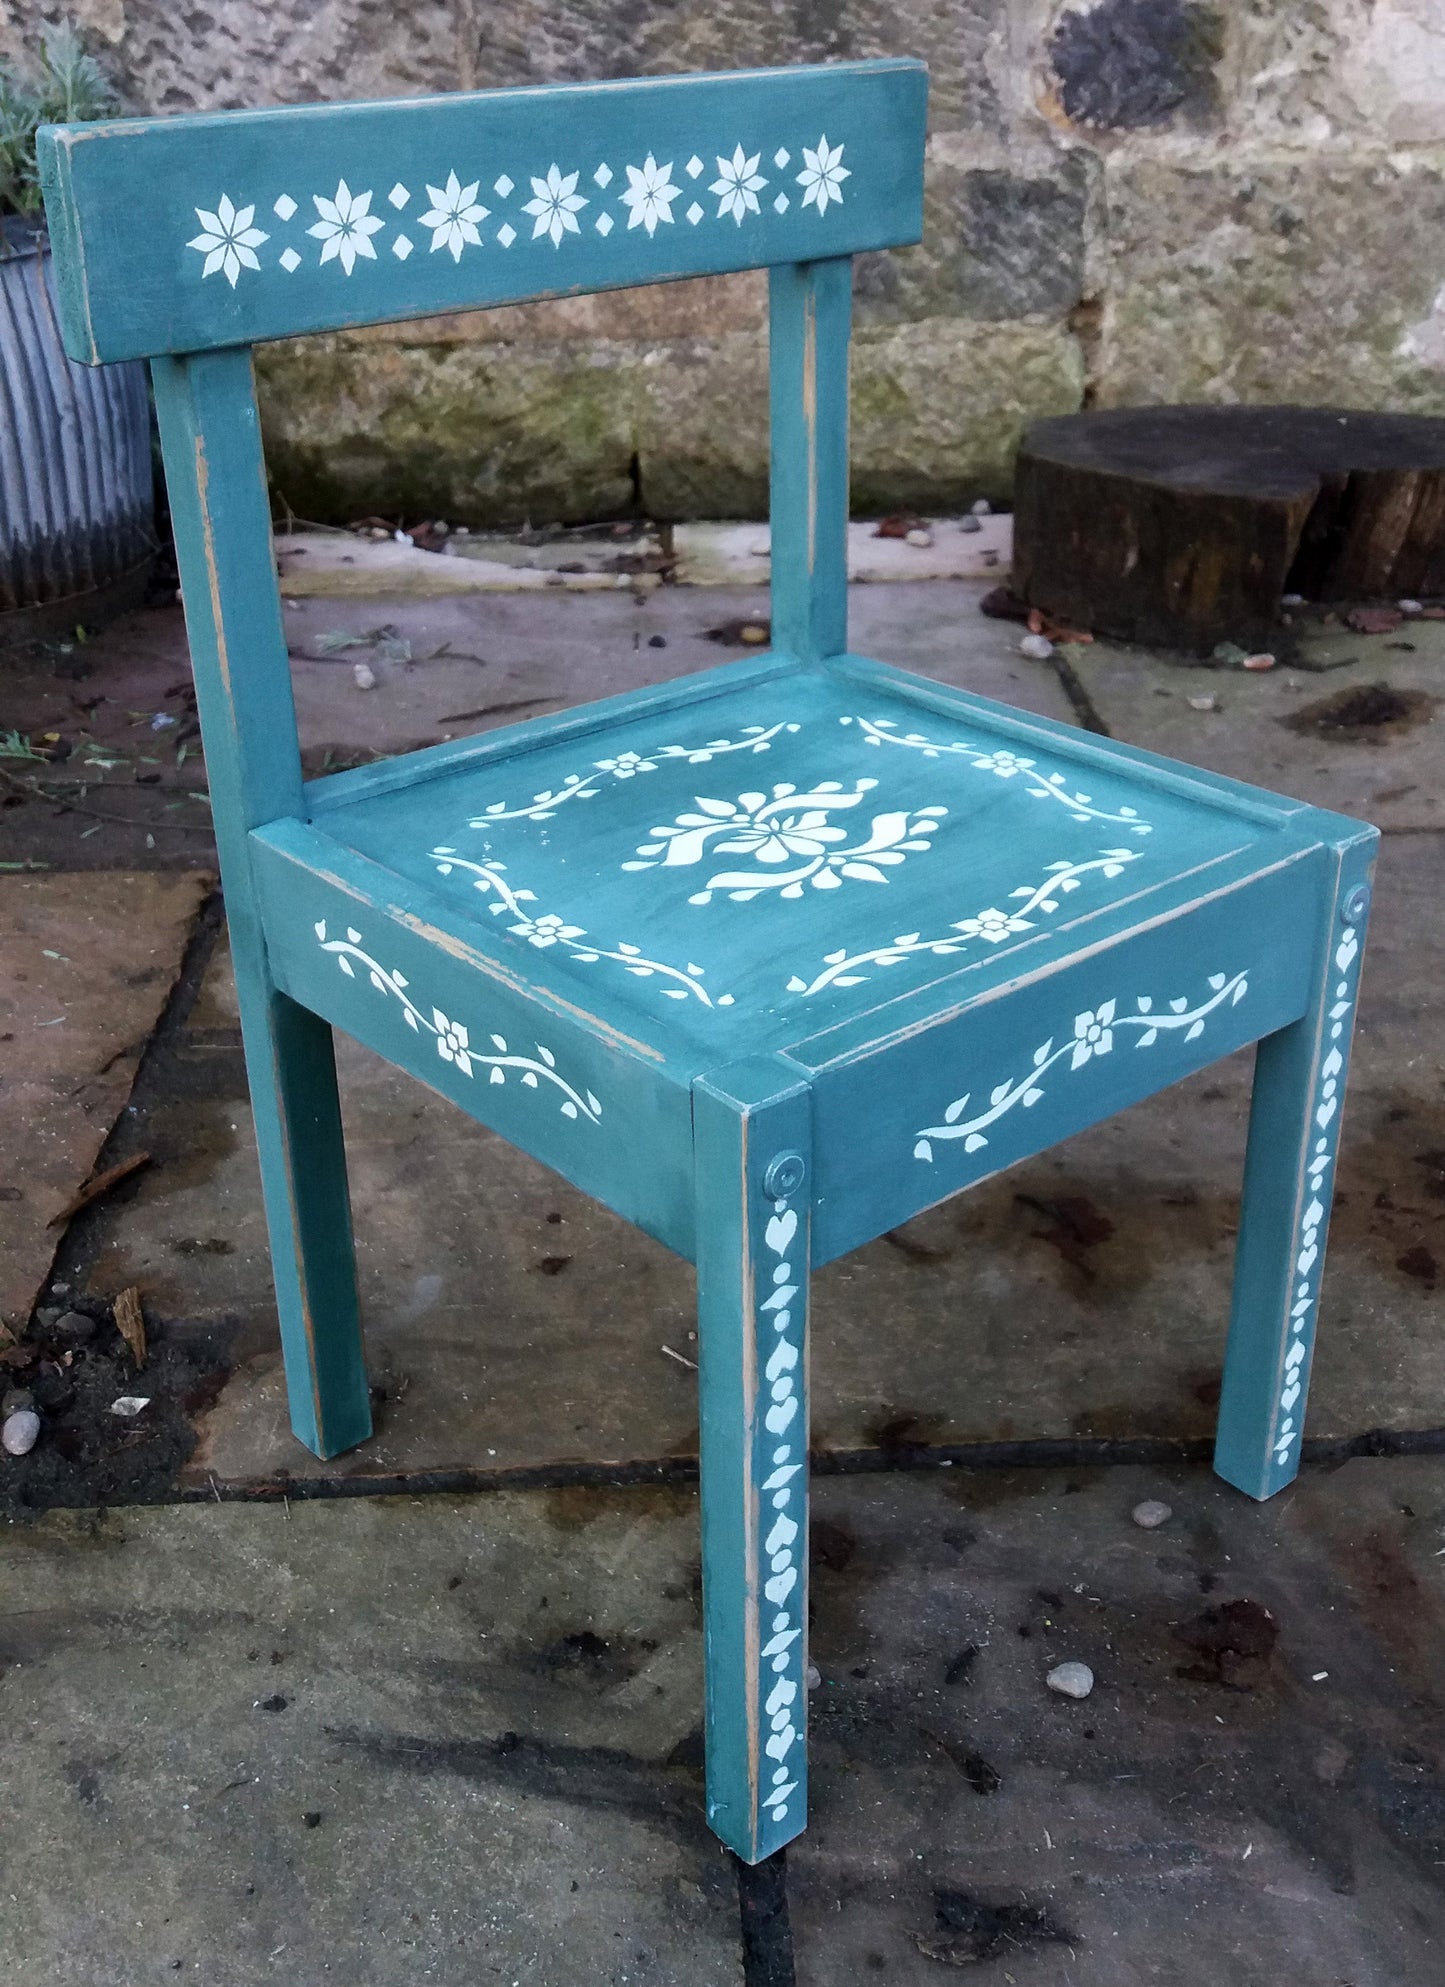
(766, 852)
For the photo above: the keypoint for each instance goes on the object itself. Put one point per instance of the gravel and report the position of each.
(1071, 1679)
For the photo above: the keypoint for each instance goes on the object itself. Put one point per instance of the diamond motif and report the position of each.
(504, 186)
(693, 166)
(290, 260)
(780, 205)
(604, 225)
(781, 156)
(506, 235)
(285, 207)
(694, 213)
(603, 175)
(398, 196)
(401, 247)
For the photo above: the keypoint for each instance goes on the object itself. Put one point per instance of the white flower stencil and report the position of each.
(650, 194)
(228, 241)
(453, 216)
(823, 175)
(345, 226)
(737, 185)
(555, 205)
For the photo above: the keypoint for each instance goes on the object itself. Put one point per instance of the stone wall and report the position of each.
(1129, 201)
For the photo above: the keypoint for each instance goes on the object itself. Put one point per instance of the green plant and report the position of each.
(67, 86)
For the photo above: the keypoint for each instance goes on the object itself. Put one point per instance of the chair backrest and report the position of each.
(186, 240)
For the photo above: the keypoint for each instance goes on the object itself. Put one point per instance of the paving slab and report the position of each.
(382, 1739)
(88, 964)
(1287, 728)
(383, 1742)
(1255, 1790)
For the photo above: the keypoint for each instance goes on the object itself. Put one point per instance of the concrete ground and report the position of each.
(493, 1697)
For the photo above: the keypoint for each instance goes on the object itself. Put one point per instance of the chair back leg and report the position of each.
(752, 1141)
(1294, 1129)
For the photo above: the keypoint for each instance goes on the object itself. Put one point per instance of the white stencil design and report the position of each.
(1004, 765)
(1305, 1299)
(345, 227)
(789, 836)
(782, 1686)
(547, 929)
(228, 240)
(453, 216)
(626, 766)
(555, 205)
(649, 195)
(990, 926)
(453, 1038)
(737, 185)
(1093, 1035)
(823, 175)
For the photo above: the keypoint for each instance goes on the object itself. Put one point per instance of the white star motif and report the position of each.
(229, 242)
(453, 216)
(556, 205)
(650, 194)
(345, 225)
(737, 185)
(823, 175)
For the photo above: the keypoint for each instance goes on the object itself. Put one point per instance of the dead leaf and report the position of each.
(130, 1323)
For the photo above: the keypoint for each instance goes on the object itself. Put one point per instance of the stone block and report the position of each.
(1274, 275)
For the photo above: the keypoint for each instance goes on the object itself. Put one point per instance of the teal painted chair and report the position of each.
(767, 960)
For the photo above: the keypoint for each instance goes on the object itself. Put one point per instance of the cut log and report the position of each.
(1185, 525)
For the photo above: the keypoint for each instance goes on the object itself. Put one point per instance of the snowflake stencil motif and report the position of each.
(453, 216)
(229, 242)
(345, 225)
(823, 175)
(650, 194)
(737, 185)
(556, 205)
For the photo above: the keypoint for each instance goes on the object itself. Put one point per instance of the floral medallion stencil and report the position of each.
(790, 838)
(453, 1038)
(1093, 1035)
(557, 210)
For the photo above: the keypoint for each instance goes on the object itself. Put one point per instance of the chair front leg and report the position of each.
(753, 1166)
(1294, 1129)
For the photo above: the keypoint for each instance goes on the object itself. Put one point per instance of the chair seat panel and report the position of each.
(565, 1087)
(792, 855)
(923, 1114)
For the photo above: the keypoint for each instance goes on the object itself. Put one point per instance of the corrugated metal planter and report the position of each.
(77, 499)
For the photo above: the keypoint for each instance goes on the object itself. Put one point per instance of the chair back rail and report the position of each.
(180, 235)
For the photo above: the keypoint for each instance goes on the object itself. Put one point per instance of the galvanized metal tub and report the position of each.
(77, 493)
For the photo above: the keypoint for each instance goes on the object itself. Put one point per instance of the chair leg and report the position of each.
(753, 1203)
(1294, 1127)
(291, 1064)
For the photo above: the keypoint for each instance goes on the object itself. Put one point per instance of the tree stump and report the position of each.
(1185, 525)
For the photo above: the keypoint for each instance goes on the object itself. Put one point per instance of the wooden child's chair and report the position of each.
(767, 960)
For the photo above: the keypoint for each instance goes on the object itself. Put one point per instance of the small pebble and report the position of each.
(403, 538)
(378, 531)
(1071, 1679)
(462, 531)
(1293, 600)
(441, 528)
(1258, 662)
(753, 633)
(969, 524)
(918, 536)
(1204, 703)
(20, 1433)
(1038, 648)
(1410, 606)
(1151, 1514)
(16, 1401)
(657, 641)
(982, 507)
(128, 1406)
(815, 1677)
(75, 1326)
(363, 676)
